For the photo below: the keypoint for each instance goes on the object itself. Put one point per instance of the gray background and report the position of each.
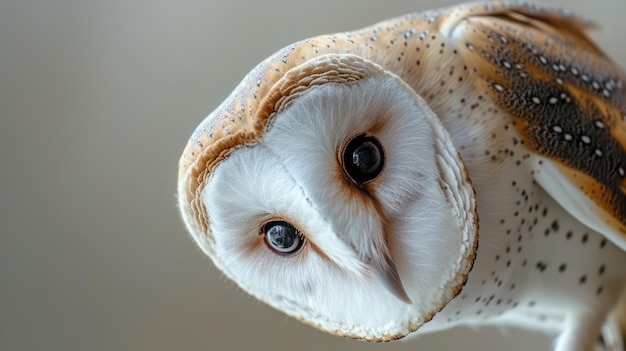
(97, 100)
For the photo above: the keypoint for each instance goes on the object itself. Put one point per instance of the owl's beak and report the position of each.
(387, 275)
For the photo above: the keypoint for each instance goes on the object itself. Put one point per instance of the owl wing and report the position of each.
(565, 96)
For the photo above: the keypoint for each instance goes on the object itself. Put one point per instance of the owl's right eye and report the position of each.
(363, 159)
(282, 237)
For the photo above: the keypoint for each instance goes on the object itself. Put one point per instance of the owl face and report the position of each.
(342, 213)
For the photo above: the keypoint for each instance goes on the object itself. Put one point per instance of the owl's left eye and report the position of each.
(282, 237)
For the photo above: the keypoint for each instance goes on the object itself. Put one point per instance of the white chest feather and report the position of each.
(536, 264)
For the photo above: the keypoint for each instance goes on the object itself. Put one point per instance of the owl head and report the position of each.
(327, 188)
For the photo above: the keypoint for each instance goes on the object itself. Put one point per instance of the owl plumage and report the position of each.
(458, 166)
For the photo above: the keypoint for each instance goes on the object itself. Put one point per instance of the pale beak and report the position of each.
(387, 275)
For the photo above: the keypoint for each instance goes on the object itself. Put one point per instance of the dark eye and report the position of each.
(282, 237)
(363, 159)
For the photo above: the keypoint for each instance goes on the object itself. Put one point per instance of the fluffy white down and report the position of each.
(292, 175)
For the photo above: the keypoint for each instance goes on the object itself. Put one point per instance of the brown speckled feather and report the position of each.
(565, 96)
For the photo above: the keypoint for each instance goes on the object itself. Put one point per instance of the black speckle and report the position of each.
(555, 226)
(601, 269)
(585, 238)
(583, 279)
(541, 266)
(562, 267)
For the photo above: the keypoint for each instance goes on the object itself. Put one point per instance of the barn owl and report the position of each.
(459, 166)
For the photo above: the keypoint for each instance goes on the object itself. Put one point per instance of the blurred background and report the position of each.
(97, 100)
